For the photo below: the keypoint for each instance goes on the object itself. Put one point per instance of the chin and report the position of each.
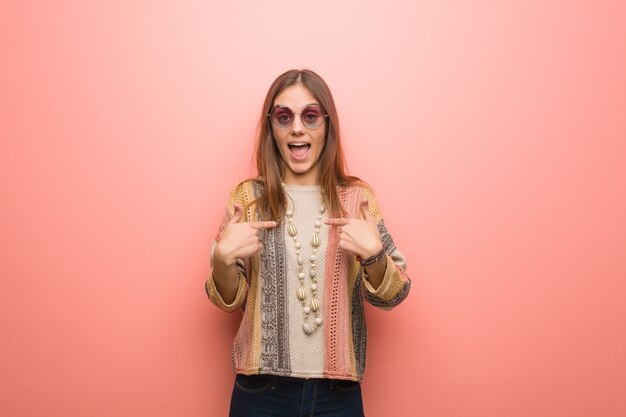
(300, 171)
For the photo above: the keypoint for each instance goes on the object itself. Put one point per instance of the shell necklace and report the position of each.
(312, 307)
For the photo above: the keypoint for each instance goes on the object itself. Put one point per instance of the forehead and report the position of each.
(295, 96)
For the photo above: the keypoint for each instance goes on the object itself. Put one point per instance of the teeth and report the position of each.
(298, 144)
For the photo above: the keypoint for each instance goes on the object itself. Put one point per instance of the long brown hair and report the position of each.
(331, 171)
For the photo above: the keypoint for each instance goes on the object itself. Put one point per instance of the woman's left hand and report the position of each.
(359, 237)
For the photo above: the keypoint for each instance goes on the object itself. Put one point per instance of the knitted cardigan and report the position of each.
(261, 345)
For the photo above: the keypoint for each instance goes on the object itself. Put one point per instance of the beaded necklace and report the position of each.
(312, 307)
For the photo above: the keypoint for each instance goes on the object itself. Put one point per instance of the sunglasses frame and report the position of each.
(294, 114)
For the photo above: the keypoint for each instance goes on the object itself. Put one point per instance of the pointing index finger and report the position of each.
(263, 225)
(339, 221)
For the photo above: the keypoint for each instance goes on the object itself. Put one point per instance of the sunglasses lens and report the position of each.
(312, 117)
(282, 116)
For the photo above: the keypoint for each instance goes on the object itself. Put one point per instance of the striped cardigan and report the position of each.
(261, 345)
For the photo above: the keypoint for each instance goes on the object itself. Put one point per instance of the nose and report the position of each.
(297, 128)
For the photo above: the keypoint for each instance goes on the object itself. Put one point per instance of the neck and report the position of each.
(308, 178)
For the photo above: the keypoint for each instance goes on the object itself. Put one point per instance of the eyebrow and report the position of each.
(303, 107)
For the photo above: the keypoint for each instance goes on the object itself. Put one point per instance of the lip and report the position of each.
(299, 158)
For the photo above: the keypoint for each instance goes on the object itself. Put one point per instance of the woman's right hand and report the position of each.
(239, 240)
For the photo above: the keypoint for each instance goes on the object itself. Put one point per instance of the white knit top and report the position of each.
(307, 351)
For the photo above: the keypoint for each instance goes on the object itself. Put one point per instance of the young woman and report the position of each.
(299, 249)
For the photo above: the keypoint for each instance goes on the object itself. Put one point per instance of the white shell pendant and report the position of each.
(292, 229)
(318, 320)
(307, 328)
(301, 293)
(315, 305)
(316, 240)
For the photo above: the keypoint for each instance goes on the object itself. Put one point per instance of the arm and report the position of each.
(385, 281)
(236, 240)
(375, 272)
(391, 285)
(395, 283)
(226, 286)
(226, 279)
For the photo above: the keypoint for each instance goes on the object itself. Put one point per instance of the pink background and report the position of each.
(494, 133)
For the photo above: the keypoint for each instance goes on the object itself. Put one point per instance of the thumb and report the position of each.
(236, 216)
(365, 211)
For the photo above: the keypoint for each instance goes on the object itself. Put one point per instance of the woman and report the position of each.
(298, 250)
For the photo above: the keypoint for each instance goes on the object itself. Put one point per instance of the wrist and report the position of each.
(370, 260)
(223, 260)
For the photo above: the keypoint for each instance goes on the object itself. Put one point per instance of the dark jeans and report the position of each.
(275, 396)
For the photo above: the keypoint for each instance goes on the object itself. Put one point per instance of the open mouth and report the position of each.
(299, 150)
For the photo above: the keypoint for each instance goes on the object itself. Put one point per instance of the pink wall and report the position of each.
(494, 134)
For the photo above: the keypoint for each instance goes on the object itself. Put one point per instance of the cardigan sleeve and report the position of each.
(396, 283)
(237, 196)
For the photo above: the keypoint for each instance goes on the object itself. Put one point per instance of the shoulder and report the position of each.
(354, 193)
(247, 186)
(243, 192)
(359, 187)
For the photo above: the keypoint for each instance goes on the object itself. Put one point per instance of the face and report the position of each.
(300, 145)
